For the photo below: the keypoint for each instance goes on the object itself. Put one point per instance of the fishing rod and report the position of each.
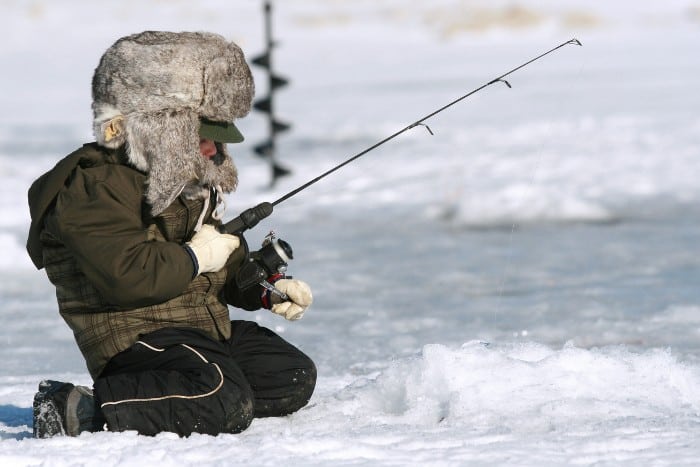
(272, 258)
(250, 217)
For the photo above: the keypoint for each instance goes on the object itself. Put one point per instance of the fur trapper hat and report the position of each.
(150, 91)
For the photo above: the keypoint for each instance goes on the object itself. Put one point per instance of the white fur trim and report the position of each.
(104, 112)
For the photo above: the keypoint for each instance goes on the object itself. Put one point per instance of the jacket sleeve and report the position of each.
(98, 218)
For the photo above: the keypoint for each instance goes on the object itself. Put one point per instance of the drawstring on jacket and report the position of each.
(219, 210)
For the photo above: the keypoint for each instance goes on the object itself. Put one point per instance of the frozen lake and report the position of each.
(520, 288)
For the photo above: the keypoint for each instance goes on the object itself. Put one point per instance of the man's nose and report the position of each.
(207, 147)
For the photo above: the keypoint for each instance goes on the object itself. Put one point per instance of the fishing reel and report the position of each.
(270, 260)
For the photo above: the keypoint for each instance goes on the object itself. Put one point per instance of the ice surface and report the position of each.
(518, 289)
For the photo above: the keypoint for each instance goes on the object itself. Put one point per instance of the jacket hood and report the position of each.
(44, 190)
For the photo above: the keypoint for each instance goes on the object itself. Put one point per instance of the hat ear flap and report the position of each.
(166, 145)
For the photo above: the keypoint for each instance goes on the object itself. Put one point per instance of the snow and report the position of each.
(518, 289)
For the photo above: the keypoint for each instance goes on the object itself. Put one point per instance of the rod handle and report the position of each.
(248, 219)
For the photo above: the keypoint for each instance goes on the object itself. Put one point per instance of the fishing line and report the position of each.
(532, 182)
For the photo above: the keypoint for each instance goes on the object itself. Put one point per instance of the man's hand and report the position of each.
(210, 249)
(299, 298)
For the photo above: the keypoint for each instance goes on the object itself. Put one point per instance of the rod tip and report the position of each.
(575, 41)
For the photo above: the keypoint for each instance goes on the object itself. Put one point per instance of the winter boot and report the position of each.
(64, 409)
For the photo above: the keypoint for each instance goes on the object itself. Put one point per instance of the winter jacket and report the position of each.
(120, 272)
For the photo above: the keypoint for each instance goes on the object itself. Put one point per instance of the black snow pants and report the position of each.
(180, 380)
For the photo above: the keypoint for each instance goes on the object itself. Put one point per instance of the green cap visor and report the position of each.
(221, 132)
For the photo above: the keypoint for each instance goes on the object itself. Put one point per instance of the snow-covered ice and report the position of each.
(520, 288)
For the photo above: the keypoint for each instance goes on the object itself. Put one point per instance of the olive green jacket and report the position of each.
(118, 271)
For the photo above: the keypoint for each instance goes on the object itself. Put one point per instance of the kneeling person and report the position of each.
(126, 229)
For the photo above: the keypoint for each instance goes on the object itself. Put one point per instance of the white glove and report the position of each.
(299, 298)
(211, 249)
